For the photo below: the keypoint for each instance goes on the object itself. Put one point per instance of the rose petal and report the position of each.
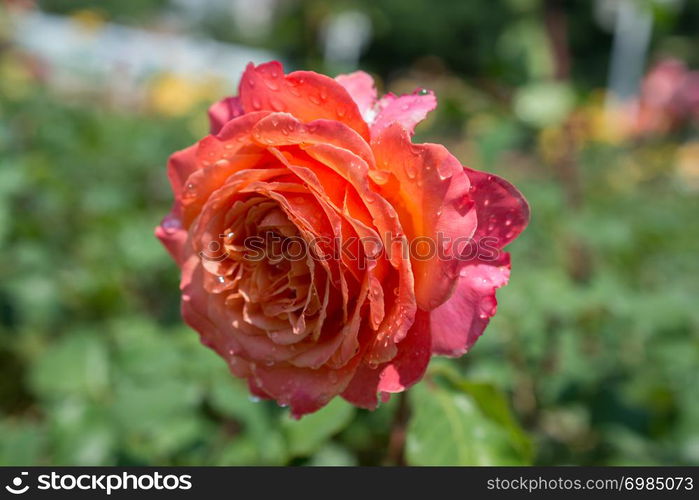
(406, 110)
(224, 111)
(284, 129)
(172, 235)
(180, 166)
(305, 94)
(457, 324)
(431, 196)
(360, 86)
(305, 390)
(397, 375)
(502, 210)
(503, 213)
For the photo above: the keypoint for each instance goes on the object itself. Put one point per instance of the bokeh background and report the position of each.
(590, 107)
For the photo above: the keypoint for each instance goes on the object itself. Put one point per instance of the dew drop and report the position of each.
(256, 103)
(423, 91)
(272, 85)
(171, 224)
(410, 170)
(314, 99)
(222, 163)
(443, 172)
(380, 177)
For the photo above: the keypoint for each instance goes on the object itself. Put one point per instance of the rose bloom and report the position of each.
(381, 270)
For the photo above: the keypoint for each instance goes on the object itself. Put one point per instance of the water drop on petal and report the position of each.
(379, 176)
(410, 170)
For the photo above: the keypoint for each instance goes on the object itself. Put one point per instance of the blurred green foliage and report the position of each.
(593, 357)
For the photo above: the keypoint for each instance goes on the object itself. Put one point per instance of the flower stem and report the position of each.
(396, 444)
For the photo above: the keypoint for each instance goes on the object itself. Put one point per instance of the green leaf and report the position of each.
(22, 443)
(231, 397)
(306, 435)
(333, 455)
(465, 425)
(77, 364)
(143, 408)
(494, 406)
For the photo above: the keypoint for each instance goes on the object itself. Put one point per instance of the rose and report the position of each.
(308, 159)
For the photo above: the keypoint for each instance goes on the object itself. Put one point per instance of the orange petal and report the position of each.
(432, 200)
(305, 94)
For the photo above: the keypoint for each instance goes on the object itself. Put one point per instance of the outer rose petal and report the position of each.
(224, 111)
(172, 235)
(397, 375)
(360, 86)
(305, 94)
(430, 191)
(503, 213)
(305, 390)
(180, 166)
(407, 110)
(457, 324)
(283, 129)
